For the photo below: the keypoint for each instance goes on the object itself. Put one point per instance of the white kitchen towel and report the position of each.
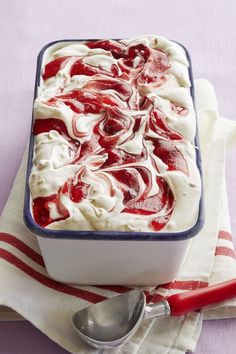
(26, 288)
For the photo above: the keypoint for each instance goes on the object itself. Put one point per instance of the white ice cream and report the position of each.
(56, 158)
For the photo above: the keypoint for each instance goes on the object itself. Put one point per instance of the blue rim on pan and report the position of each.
(108, 235)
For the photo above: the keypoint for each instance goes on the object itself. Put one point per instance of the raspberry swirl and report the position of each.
(114, 130)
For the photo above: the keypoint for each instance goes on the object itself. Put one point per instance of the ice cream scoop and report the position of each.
(112, 322)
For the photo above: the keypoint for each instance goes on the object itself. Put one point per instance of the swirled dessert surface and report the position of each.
(114, 127)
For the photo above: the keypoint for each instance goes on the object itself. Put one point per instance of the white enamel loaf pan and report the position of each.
(108, 257)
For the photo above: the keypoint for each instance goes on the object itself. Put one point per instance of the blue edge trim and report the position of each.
(108, 235)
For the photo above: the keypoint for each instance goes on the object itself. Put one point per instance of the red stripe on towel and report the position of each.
(225, 235)
(121, 289)
(21, 246)
(185, 285)
(37, 258)
(116, 288)
(155, 298)
(224, 251)
(50, 283)
(176, 285)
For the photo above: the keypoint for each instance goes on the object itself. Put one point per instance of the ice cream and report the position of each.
(114, 127)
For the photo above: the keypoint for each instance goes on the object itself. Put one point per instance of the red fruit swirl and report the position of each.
(112, 94)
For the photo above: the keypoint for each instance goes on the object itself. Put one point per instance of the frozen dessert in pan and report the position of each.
(114, 147)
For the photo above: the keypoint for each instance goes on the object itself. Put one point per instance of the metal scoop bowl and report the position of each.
(112, 322)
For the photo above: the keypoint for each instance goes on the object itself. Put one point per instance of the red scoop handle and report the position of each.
(180, 304)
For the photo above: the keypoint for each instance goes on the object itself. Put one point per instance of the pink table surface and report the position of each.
(207, 28)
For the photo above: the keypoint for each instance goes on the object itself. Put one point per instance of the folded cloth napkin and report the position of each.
(26, 288)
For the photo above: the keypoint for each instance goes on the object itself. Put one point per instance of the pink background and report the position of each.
(206, 27)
